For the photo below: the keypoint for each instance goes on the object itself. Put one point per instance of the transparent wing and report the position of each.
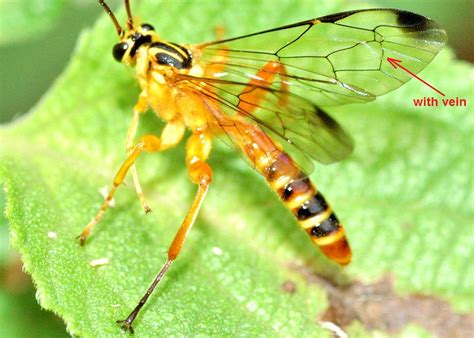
(332, 60)
(303, 130)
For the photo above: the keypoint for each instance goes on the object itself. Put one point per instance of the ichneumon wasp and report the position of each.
(262, 92)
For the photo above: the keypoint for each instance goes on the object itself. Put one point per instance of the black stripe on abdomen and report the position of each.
(297, 187)
(327, 227)
(309, 206)
(312, 207)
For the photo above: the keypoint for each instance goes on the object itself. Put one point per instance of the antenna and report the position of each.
(112, 16)
(129, 15)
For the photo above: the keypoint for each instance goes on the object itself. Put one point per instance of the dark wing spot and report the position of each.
(409, 19)
(327, 120)
(417, 25)
(336, 17)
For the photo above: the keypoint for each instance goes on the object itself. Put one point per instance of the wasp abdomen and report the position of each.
(313, 207)
(309, 207)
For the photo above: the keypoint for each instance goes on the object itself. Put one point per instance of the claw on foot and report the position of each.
(125, 325)
(82, 239)
(147, 209)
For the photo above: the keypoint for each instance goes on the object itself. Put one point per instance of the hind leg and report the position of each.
(197, 152)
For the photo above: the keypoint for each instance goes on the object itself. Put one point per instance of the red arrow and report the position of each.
(396, 63)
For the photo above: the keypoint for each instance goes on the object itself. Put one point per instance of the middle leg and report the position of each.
(256, 89)
(139, 109)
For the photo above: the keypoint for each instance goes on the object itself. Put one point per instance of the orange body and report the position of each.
(183, 106)
(255, 95)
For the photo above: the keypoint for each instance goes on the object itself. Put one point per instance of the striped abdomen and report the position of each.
(294, 188)
(309, 207)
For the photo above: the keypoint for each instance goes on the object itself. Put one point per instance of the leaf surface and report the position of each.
(405, 196)
(20, 20)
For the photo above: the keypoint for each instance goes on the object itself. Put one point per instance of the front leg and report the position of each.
(139, 109)
(171, 135)
(148, 143)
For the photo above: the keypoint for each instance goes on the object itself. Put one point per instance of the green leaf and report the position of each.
(20, 20)
(18, 309)
(405, 196)
(17, 296)
(4, 247)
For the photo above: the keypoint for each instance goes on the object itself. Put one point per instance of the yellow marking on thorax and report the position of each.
(161, 99)
(142, 67)
(155, 50)
(158, 77)
(192, 109)
(182, 53)
(196, 70)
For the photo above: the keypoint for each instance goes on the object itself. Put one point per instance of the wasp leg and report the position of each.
(148, 143)
(138, 110)
(253, 93)
(197, 151)
(171, 135)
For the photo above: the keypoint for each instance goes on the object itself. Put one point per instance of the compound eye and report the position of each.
(147, 27)
(119, 51)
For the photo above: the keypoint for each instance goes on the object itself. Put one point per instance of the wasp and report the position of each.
(262, 92)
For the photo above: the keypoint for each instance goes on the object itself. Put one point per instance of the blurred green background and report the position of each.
(37, 51)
